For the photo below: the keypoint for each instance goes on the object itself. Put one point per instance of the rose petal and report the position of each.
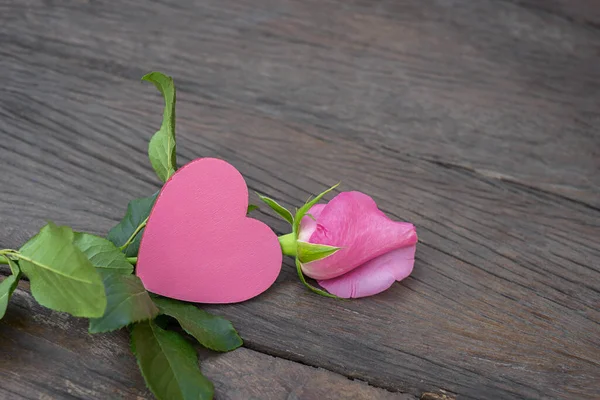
(374, 276)
(353, 222)
(308, 224)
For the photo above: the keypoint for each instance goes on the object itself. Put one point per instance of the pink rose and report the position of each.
(374, 250)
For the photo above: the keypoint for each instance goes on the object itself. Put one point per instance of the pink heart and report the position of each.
(199, 246)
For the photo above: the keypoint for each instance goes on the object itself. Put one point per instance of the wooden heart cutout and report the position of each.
(199, 246)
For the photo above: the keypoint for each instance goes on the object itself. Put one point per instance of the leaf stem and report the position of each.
(288, 244)
(4, 254)
(134, 234)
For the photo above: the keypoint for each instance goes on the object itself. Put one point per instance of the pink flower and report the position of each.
(375, 251)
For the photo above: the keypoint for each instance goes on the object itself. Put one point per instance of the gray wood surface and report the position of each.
(51, 355)
(477, 121)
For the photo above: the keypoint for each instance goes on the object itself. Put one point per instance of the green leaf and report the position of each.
(308, 252)
(306, 207)
(251, 207)
(169, 364)
(8, 286)
(14, 267)
(309, 286)
(103, 255)
(161, 149)
(278, 208)
(137, 211)
(213, 332)
(61, 276)
(128, 302)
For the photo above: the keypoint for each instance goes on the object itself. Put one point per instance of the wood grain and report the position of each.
(50, 355)
(474, 120)
(505, 89)
(577, 11)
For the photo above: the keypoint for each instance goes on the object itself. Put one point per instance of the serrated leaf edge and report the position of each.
(162, 312)
(130, 323)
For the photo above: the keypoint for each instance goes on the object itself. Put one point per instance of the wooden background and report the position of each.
(476, 120)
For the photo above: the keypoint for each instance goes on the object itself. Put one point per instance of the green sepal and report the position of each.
(62, 278)
(308, 252)
(162, 146)
(169, 364)
(211, 331)
(278, 208)
(306, 207)
(311, 287)
(251, 207)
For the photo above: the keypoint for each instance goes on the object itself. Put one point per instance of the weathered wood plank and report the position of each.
(578, 11)
(47, 354)
(434, 110)
(507, 90)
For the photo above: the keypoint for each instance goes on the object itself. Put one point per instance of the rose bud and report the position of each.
(351, 247)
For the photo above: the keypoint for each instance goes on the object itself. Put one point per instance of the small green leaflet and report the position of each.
(251, 207)
(137, 211)
(61, 276)
(308, 252)
(169, 364)
(161, 149)
(14, 268)
(128, 302)
(103, 255)
(306, 207)
(278, 208)
(211, 331)
(8, 286)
